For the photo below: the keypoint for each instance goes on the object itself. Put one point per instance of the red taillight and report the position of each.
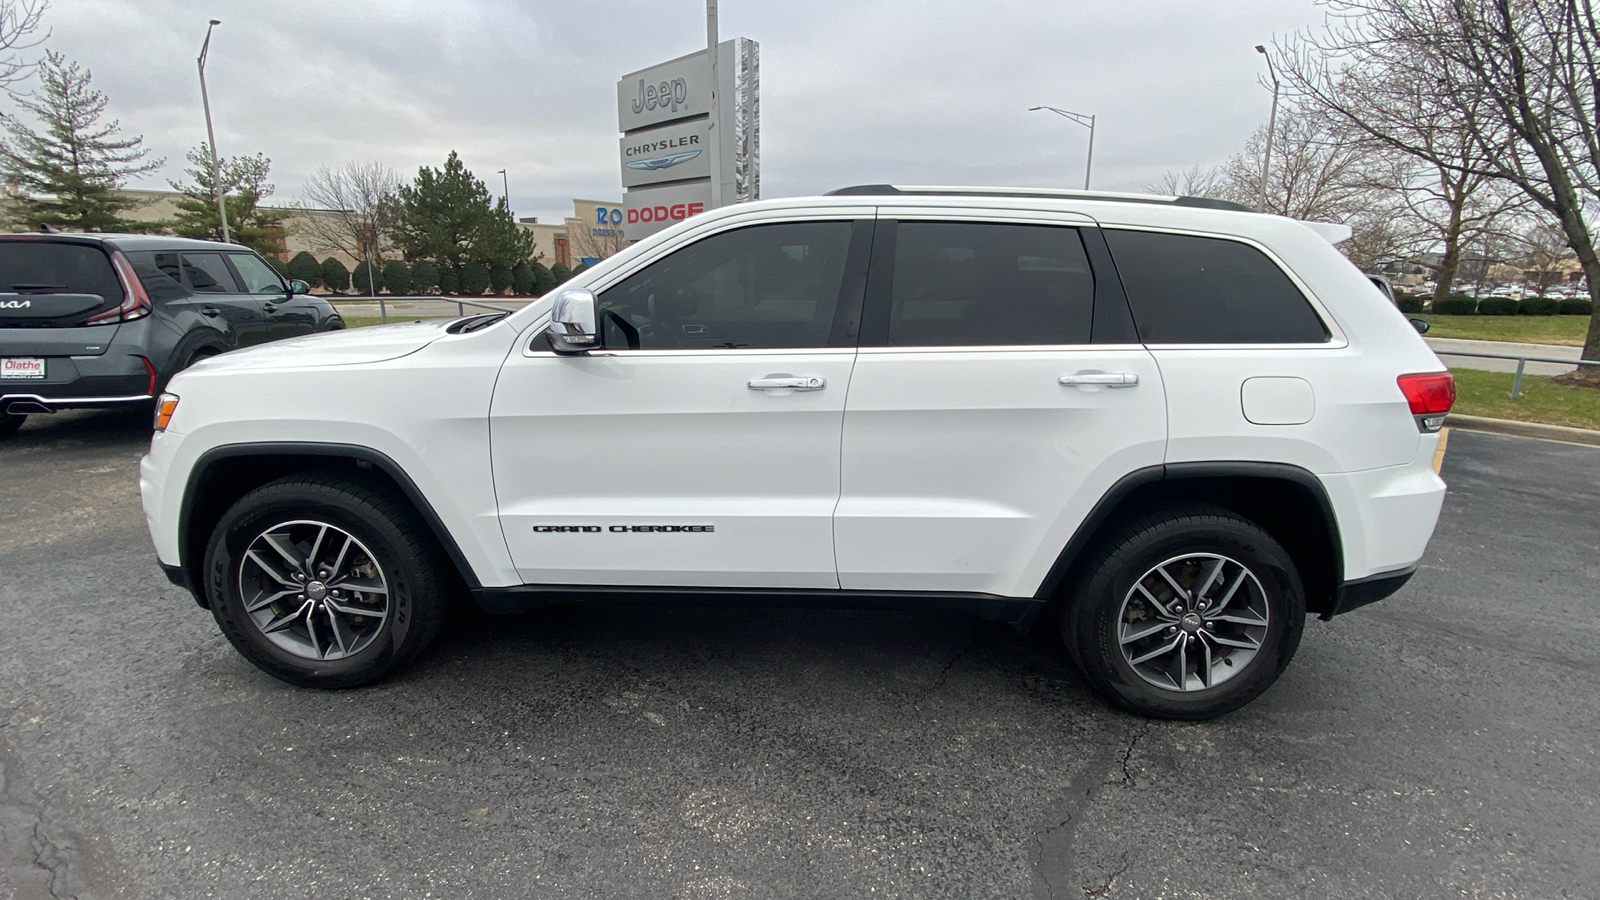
(1430, 394)
(135, 302)
(151, 368)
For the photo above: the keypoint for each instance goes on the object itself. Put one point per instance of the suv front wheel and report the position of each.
(1185, 613)
(326, 581)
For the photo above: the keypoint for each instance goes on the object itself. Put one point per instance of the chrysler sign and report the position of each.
(664, 115)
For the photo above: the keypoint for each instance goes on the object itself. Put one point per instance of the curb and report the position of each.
(1512, 427)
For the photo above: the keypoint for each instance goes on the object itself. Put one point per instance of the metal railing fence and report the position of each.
(1522, 362)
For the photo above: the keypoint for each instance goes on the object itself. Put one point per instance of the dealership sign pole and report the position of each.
(685, 148)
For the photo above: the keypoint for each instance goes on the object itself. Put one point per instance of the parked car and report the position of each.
(1169, 427)
(104, 320)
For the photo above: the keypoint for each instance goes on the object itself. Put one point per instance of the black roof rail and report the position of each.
(889, 190)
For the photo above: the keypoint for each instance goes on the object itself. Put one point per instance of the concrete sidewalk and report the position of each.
(1443, 346)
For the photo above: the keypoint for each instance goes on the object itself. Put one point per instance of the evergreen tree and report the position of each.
(335, 277)
(448, 216)
(449, 281)
(522, 280)
(304, 266)
(244, 183)
(424, 277)
(366, 279)
(499, 278)
(397, 277)
(474, 279)
(76, 159)
(279, 266)
(560, 272)
(543, 279)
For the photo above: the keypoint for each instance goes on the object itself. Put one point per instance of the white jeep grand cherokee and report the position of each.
(1174, 426)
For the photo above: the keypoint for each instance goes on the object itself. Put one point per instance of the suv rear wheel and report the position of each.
(326, 581)
(1186, 613)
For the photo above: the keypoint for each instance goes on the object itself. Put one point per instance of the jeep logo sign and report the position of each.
(671, 95)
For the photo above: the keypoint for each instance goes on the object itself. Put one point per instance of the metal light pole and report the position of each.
(216, 162)
(1272, 129)
(506, 184)
(716, 106)
(1085, 121)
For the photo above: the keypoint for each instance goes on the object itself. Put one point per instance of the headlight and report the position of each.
(166, 405)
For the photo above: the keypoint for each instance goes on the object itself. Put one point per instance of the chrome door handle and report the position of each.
(1106, 379)
(788, 383)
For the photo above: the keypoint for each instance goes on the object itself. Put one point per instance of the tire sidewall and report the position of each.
(273, 505)
(1099, 605)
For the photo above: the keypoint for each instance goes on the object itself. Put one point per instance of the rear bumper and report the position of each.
(27, 403)
(100, 367)
(1362, 591)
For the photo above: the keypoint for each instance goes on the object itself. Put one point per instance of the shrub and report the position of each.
(424, 277)
(582, 268)
(522, 279)
(366, 278)
(543, 279)
(279, 266)
(1455, 305)
(1577, 306)
(561, 272)
(335, 277)
(474, 279)
(1409, 304)
(305, 267)
(1497, 306)
(397, 277)
(1539, 306)
(499, 279)
(449, 281)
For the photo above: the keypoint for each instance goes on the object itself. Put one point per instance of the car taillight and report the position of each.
(150, 369)
(165, 407)
(1430, 395)
(135, 302)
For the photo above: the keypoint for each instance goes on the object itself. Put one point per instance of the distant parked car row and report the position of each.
(95, 321)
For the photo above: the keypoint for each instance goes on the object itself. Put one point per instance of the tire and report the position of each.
(1132, 632)
(298, 637)
(10, 422)
(202, 353)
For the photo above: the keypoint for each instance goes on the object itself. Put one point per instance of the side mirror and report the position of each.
(299, 287)
(1421, 325)
(572, 320)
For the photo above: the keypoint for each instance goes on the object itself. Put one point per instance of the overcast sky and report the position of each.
(852, 91)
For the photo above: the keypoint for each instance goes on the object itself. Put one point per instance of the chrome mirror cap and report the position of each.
(572, 319)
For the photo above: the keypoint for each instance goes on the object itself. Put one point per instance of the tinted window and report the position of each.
(1196, 290)
(206, 273)
(42, 267)
(766, 286)
(160, 274)
(259, 278)
(966, 284)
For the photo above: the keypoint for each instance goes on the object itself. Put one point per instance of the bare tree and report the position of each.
(1319, 171)
(350, 209)
(1516, 78)
(20, 21)
(1545, 254)
(586, 240)
(1196, 181)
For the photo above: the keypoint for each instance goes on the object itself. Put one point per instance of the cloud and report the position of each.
(852, 92)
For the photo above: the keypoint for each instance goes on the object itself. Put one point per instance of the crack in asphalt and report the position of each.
(60, 859)
(1105, 888)
(1081, 792)
(1127, 775)
(944, 673)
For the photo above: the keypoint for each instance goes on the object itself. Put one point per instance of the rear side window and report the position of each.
(967, 284)
(1197, 290)
(160, 274)
(43, 267)
(206, 273)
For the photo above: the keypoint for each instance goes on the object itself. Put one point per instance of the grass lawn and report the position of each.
(1489, 394)
(1568, 330)
(362, 321)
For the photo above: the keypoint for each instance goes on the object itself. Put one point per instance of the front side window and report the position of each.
(258, 277)
(765, 286)
(1185, 289)
(986, 284)
(206, 273)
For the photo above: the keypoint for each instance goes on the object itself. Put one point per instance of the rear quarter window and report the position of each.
(43, 267)
(1185, 289)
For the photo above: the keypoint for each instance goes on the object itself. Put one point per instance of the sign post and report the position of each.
(716, 104)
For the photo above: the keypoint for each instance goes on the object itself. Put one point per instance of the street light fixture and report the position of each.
(1085, 121)
(216, 162)
(1272, 128)
(505, 183)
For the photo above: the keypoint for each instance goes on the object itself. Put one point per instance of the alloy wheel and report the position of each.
(314, 590)
(1193, 622)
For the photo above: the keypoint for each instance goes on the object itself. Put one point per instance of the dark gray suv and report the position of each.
(103, 320)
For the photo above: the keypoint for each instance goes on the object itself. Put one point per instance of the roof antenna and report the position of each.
(47, 228)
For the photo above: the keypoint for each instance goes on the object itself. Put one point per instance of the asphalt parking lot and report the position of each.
(1441, 744)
